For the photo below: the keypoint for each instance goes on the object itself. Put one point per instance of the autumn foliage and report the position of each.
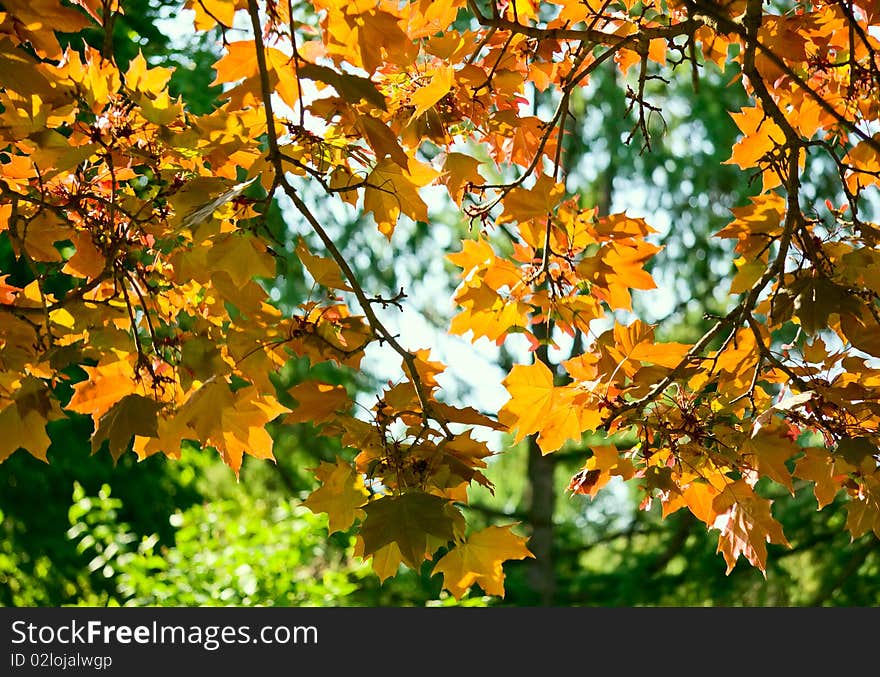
(136, 294)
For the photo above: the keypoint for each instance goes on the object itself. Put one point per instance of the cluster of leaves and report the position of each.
(139, 236)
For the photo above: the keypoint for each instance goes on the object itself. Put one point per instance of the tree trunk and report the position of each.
(542, 504)
(542, 574)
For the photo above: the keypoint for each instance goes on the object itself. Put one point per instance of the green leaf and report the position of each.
(406, 520)
(856, 449)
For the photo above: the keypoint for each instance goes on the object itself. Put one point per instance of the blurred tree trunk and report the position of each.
(542, 503)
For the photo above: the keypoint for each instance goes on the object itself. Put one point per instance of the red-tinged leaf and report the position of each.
(584, 481)
(8, 292)
(598, 470)
(746, 526)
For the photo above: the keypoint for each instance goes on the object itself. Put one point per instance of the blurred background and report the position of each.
(81, 531)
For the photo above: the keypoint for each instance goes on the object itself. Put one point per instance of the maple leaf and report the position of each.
(523, 204)
(746, 526)
(132, 415)
(558, 414)
(863, 512)
(209, 13)
(407, 520)
(88, 261)
(533, 396)
(385, 561)
(391, 191)
(23, 431)
(818, 467)
(760, 136)
(341, 495)
(242, 427)
(771, 451)
(425, 97)
(862, 330)
(325, 271)
(318, 402)
(170, 433)
(480, 560)
(598, 470)
(383, 141)
(700, 497)
(352, 87)
(459, 172)
(106, 385)
(200, 359)
(242, 258)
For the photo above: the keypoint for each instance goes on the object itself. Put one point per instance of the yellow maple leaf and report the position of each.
(390, 192)
(699, 498)
(532, 398)
(26, 431)
(106, 385)
(209, 13)
(341, 495)
(325, 271)
(536, 405)
(480, 560)
(817, 466)
(88, 261)
(425, 97)
(386, 561)
(771, 450)
(863, 512)
(760, 136)
(242, 257)
(318, 402)
(523, 204)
